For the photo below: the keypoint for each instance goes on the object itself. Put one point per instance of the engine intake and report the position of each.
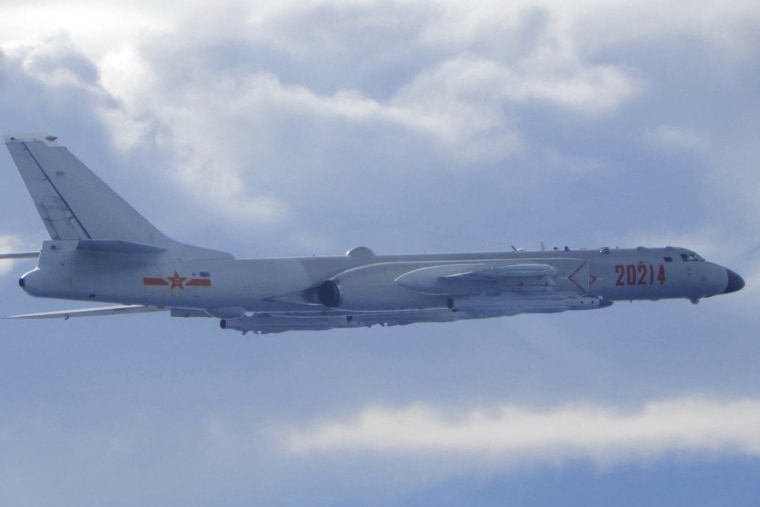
(329, 294)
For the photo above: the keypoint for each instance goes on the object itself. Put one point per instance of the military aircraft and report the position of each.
(102, 250)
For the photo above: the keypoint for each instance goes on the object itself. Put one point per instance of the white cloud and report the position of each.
(678, 137)
(603, 435)
(462, 80)
(423, 125)
(96, 26)
(596, 89)
(595, 24)
(466, 96)
(54, 60)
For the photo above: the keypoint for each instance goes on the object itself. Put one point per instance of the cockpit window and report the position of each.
(691, 257)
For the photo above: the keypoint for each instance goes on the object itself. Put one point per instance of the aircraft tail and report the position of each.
(75, 204)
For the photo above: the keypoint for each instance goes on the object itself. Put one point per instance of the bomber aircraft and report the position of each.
(102, 250)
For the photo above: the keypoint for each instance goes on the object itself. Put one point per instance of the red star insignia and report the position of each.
(176, 281)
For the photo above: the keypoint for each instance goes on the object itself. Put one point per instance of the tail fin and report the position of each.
(72, 201)
(77, 205)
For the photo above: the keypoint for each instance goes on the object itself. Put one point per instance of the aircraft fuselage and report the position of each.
(362, 283)
(101, 249)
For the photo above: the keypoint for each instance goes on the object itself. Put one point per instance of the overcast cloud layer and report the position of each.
(292, 128)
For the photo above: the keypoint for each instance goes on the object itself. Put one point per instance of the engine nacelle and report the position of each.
(369, 288)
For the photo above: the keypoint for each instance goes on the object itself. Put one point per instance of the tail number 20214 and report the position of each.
(639, 274)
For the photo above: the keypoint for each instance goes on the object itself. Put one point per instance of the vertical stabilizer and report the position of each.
(73, 202)
(77, 205)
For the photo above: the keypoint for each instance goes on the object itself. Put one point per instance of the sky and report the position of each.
(295, 128)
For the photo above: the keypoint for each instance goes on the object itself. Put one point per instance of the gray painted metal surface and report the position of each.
(102, 250)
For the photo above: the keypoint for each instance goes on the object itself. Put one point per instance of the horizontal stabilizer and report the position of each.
(20, 255)
(90, 312)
